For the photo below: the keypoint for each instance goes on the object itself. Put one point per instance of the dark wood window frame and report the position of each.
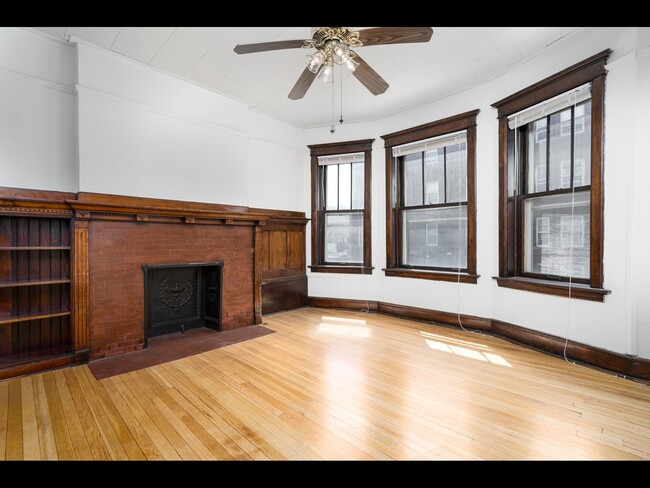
(591, 70)
(455, 123)
(318, 263)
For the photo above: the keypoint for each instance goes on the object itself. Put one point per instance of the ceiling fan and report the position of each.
(333, 45)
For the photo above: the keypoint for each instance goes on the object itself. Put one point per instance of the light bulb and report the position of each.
(326, 74)
(341, 53)
(315, 61)
(351, 64)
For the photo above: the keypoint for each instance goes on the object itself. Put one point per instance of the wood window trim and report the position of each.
(463, 121)
(317, 249)
(591, 70)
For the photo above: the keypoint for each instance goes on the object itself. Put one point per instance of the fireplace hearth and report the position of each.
(179, 297)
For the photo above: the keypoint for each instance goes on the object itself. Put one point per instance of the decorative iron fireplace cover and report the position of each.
(179, 297)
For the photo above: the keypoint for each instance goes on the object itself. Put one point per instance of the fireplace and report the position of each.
(179, 297)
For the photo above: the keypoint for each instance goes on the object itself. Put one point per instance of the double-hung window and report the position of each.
(551, 183)
(341, 207)
(430, 222)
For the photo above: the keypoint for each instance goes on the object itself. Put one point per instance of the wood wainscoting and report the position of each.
(622, 364)
(96, 288)
(282, 264)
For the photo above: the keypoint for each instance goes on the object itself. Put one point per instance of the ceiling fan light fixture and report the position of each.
(350, 64)
(315, 61)
(326, 74)
(341, 53)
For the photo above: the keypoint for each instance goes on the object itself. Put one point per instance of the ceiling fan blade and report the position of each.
(394, 35)
(267, 46)
(302, 85)
(369, 77)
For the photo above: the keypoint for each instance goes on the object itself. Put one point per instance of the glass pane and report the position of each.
(344, 238)
(434, 176)
(357, 186)
(345, 188)
(331, 182)
(436, 238)
(582, 145)
(457, 173)
(560, 150)
(555, 241)
(413, 179)
(537, 156)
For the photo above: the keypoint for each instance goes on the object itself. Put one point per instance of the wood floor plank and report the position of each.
(157, 437)
(331, 384)
(115, 449)
(15, 422)
(47, 440)
(31, 446)
(80, 445)
(4, 414)
(140, 435)
(91, 430)
(59, 425)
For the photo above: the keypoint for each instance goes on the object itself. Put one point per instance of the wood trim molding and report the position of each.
(575, 75)
(431, 129)
(343, 147)
(332, 268)
(37, 366)
(558, 288)
(431, 275)
(257, 275)
(623, 364)
(343, 303)
(80, 289)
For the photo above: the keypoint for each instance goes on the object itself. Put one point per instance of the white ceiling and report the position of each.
(454, 59)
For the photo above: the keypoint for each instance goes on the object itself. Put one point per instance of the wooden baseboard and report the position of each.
(344, 303)
(623, 364)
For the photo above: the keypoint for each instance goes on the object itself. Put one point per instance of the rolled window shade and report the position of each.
(342, 159)
(429, 144)
(552, 105)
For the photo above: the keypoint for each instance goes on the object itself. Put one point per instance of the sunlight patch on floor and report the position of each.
(451, 346)
(345, 330)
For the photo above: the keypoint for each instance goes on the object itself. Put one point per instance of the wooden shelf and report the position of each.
(24, 318)
(18, 364)
(34, 248)
(14, 284)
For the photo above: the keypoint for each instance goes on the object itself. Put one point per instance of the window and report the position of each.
(551, 192)
(430, 206)
(341, 207)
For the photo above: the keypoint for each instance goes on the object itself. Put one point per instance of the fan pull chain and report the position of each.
(341, 85)
(332, 129)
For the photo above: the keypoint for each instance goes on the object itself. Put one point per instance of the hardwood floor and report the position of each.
(333, 385)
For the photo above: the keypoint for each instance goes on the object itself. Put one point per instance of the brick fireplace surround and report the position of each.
(116, 251)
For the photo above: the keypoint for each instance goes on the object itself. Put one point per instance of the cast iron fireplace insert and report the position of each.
(179, 297)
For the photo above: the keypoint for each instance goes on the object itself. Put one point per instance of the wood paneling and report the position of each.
(331, 384)
(282, 262)
(620, 363)
(284, 293)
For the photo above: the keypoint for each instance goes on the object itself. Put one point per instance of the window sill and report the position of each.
(333, 268)
(561, 289)
(431, 275)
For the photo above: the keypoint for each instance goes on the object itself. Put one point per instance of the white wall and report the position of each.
(145, 133)
(38, 128)
(607, 325)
